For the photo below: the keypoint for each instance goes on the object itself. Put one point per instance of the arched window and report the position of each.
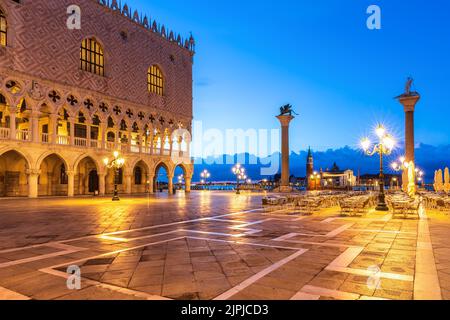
(138, 176)
(91, 57)
(3, 31)
(155, 80)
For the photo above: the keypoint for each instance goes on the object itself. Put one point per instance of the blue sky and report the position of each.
(253, 56)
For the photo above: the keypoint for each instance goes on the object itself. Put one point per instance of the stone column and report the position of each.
(129, 132)
(171, 146)
(170, 184)
(88, 135)
(54, 128)
(102, 184)
(141, 141)
(72, 131)
(163, 143)
(35, 127)
(285, 153)
(187, 182)
(103, 128)
(151, 186)
(128, 183)
(151, 141)
(70, 183)
(12, 123)
(409, 104)
(33, 189)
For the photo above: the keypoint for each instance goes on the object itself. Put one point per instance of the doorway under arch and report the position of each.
(139, 179)
(53, 180)
(86, 178)
(161, 179)
(179, 177)
(13, 175)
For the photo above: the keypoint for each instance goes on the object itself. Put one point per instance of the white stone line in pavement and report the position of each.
(245, 243)
(330, 234)
(369, 273)
(110, 253)
(41, 257)
(329, 220)
(382, 231)
(303, 296)
(235, 290)
(339, 230)
(426, 284)
(6, 294)
(335, 294)
(346, 258)
(110, 287)
(341, 263)
(127, 231)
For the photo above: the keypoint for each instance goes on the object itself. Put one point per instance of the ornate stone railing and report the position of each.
(23, 135)
(45, 138)
(62, 140)
(80, 142)
(4, 133)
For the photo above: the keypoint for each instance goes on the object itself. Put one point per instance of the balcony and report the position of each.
(78, 142)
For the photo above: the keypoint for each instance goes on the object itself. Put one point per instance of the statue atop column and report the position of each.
(287, 110)
(408, 89)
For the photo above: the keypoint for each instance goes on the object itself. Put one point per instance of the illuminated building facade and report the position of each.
(70, 98)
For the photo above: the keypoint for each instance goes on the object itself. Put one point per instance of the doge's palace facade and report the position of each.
(70, 98)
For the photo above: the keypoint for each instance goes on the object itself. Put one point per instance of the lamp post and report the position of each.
(116, 164)
(316, 177)
(385, 145)
(403, 165)
(205, 175)
(180, 181)
(239, 171)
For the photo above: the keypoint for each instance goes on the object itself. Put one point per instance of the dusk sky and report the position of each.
(341, 77)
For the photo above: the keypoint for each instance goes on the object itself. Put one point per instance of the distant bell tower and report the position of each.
(309, 169)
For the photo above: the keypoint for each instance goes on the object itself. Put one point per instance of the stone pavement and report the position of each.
(209, 245)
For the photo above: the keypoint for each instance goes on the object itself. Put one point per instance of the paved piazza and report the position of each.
(216, 246)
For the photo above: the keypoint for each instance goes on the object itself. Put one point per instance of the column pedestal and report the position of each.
(101, 184)
(70, 184)
(151, 187)
(33, 176)
(128, 179)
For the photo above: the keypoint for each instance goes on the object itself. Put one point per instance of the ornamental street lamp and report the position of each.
(239, 171)
(402, 165)
(385, 145)
(116, 164)
(316, 177)
(180, 181)
(205, 176)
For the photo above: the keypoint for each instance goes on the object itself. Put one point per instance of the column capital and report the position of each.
(285, 120)
(409, 102)
(70, 173)
(33, 172)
